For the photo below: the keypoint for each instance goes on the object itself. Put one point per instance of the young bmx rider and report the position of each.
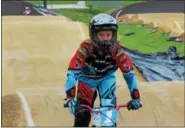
(94, 65)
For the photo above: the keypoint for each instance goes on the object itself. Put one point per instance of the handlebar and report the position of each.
(121, 106)
(90, 109)
(66, 105)
(101, 113)
(117, 107)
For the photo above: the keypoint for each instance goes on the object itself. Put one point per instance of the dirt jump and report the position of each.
(35, 56)
(164, 15)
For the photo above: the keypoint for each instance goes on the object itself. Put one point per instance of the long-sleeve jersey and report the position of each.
(88, 63)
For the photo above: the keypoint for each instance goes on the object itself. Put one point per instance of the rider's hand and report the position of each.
(72, 104)
(70, 101)
(134, 104)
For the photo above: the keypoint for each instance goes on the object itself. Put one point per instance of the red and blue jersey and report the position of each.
(87, 63)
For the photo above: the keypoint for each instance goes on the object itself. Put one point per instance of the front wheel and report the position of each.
(93, 125)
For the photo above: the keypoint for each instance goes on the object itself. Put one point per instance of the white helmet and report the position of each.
(103, 22)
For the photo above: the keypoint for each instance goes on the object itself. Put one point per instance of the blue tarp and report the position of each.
(46, 11)
(17, 7)
(161, 66)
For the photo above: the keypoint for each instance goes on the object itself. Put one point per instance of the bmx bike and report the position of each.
(102, 116)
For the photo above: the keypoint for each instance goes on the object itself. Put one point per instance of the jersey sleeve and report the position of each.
(75, 66)
(126, 66)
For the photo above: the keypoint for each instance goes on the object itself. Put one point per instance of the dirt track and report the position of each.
(35, 56)
(161, 106)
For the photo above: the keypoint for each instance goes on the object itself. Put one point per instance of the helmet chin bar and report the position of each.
(103, 47)
(98, 43)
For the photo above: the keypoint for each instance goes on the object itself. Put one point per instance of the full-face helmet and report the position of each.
(103, 22)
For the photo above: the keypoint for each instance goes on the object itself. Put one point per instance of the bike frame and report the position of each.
(117, 107)
(100, 111)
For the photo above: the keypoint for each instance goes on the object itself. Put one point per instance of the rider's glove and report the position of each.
(70, 101)
(135, 102)
(72, 104)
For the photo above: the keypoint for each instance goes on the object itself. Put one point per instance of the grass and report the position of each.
(81, 15)
(144, 41)
(40, 2)
(85, 15)
(127, 2)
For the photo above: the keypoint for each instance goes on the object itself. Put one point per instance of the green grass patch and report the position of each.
(82, 15)
(40, 2)
(144, 41)
(127, 2)
(90, 2)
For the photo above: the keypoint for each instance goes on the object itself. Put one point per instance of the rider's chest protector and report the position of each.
(99, 65)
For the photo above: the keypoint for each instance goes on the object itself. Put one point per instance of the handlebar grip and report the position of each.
(66, 105)
(141, 105)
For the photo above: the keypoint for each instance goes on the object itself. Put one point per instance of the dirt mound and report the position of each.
(37, 52)
(173, 23)
(152, 13)
(12, 114)
(162, 106)
(35, 55)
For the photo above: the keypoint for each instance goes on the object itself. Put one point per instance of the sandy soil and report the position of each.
(173, 22)
(35, 55)
(162, 106)
(35, 52)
